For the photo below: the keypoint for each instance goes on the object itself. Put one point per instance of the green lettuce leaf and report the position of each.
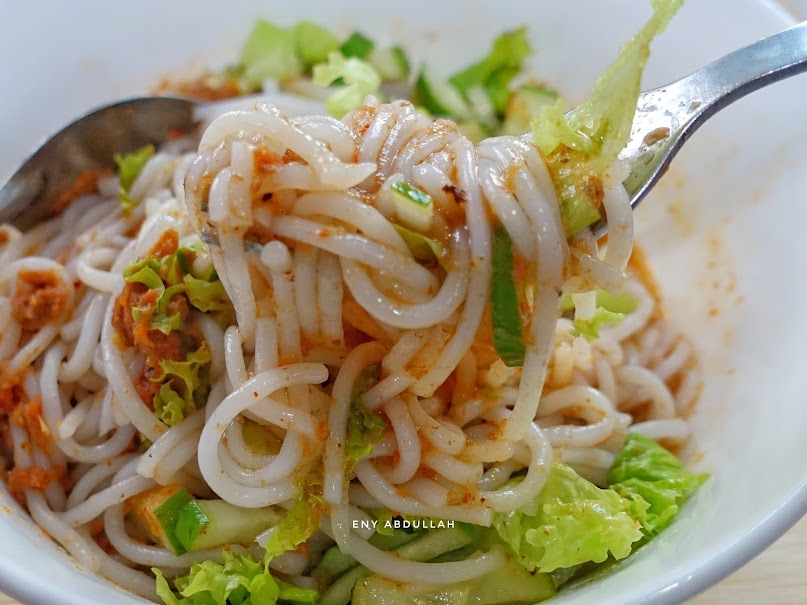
(169, 406)
(359, 77)
(206, 295)
(580, 146)
(240, 580)
(172, 275)
(301, 520)
(146, 272)
(129, 166)
(571, 522)
(191, 376)
(495, 72)
(364, 430)
(364, 427)
(590, 328)
(611, 308)
(645, 471)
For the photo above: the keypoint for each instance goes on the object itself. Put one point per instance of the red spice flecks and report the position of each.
(29, 477)
(41, 298)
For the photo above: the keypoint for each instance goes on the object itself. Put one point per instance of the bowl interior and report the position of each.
(721, 231)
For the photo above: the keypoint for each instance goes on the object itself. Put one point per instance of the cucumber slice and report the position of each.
(524, 104)
(340, 591)
(514, 585)
(332, 565)
(435, 543)
(414, 208)
(509, 585)
(439, 97)
(357, 45)
(378, 591)
(203, 524)
(423, 548)
(391, 541)
(157, 511)
(505, 314)
(391, 63)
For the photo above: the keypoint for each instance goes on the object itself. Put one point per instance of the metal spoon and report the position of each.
(665, 119)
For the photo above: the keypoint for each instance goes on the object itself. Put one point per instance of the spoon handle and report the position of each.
(667, 116)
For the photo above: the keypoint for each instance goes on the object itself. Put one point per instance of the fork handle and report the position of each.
(667, 116)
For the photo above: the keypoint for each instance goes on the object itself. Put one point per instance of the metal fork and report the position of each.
(667, 116)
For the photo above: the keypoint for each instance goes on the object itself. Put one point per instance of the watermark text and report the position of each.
(403, 523)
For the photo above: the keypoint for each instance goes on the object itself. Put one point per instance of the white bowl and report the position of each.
(722, 232)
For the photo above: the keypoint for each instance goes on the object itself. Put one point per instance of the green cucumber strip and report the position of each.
(413, 207)
(334, 562)
(423, 548)
(192, 520)
(332, 565)
(357, 45)
(167, 514)
(435, 543)
(412, 193)
(505, 313)
(439, 97)
(206, 524)
(339, 592)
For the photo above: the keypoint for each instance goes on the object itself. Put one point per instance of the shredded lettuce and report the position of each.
(359, 79)
(302, 519)
(129, 166)
(206, 294)
(172, 275)
(571, 522)
(239, 580)
(364, 430)
(191, 376)
(364, 427)
(579, 147)
(496, 71)
(644, 471)
(590, 328)
(611, 308)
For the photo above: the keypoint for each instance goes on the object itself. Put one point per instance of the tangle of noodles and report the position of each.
(294, 216)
